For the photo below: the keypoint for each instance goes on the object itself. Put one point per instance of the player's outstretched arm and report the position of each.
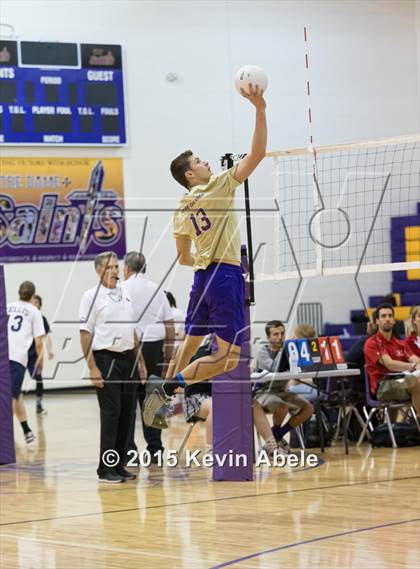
(259, 141)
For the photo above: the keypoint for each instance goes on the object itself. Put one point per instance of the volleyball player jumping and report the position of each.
(206, 216)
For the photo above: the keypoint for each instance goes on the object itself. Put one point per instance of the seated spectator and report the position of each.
(268, 358)
(304, 389)
(385, 353)
(413, 339)
(198, 406)
(273, 395)
(399, 327)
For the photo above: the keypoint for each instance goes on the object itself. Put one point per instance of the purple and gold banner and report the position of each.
(60, 209)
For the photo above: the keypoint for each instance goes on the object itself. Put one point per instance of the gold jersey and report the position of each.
(205, 214)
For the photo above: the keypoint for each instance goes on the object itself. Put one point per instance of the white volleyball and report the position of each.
(250, 74)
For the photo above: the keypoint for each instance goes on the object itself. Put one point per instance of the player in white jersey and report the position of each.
(24, 325)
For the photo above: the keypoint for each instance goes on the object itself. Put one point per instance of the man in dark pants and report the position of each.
(109, 344)
(116, 401)
(155, 327)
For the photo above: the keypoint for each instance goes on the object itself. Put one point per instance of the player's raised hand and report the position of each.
(255, 95)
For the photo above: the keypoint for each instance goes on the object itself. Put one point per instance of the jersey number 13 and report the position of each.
(200, 221)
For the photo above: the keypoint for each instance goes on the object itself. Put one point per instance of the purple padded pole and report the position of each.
(232, 413)
(7, 445)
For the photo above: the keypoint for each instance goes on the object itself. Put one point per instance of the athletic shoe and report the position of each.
(29, 437)
(268, 449)
(111, 478)
(40, 409)
(154, 400)
(125, 474)
(283, 446)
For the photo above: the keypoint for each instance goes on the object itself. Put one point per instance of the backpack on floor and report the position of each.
(406, 435)
(355, 430)
(311, 436)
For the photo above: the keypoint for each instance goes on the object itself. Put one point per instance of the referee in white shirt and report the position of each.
(156, 330)
(24, 325)
(107, 335)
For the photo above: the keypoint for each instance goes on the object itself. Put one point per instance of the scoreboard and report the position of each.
(61, 93)
(318, 354)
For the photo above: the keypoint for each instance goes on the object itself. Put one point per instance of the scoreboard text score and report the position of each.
(61, 93)
(316, 354)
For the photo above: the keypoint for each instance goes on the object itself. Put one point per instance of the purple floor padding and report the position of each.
(7, 446)
(232, 417)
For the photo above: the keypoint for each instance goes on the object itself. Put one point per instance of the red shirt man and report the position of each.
(385, 354)
(376, 347)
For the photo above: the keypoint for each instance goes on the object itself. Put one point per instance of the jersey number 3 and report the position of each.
(17, 325)
(200, 221)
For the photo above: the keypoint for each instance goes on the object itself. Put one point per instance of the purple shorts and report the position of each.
(217, 303)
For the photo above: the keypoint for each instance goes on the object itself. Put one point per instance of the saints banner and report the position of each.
(60, 209)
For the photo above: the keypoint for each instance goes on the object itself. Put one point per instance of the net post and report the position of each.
(232, 410)
(7, 446)
(227, 162)
(250, 258)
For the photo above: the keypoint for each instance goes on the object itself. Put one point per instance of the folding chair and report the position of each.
(377, 405)
(187, 435)
(342, 395)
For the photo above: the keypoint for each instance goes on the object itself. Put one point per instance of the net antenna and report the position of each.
(227, 161)
(314, 226)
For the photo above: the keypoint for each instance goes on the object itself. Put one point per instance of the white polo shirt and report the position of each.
(24, 323)
(107, 313)
(151, 307)
(179, 319)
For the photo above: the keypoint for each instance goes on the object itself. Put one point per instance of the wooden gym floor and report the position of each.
(357, 511)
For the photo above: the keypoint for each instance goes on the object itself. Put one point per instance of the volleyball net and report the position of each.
(346, 209)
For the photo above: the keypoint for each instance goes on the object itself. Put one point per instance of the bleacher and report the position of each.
(405, 247)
